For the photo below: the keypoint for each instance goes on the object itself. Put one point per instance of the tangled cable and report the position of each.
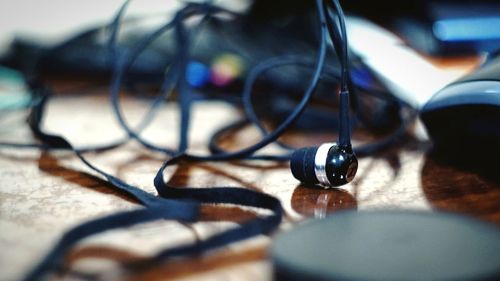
(183, 204)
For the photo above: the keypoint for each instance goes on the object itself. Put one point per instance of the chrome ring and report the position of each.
(320, 163)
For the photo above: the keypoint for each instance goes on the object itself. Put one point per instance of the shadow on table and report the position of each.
(50, 165)
(462, 185)
(171, 270)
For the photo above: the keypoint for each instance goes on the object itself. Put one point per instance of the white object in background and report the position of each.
(49, 22)
(403, 71)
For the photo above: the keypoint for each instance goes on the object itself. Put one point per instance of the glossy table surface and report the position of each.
(44, 193)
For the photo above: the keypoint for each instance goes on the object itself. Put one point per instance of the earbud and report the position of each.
(330, 164)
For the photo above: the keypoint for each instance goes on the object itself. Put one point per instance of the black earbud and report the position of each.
(330, 164)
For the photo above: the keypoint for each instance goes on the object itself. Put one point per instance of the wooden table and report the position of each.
(44, 193)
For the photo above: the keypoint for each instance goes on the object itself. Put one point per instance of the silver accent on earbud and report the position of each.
(320, 163)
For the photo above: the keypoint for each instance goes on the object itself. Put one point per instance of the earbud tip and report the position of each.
(302, 165)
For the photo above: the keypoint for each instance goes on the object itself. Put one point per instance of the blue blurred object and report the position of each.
(13, 93)
(467, 29)
(454, 27)
(197, 74)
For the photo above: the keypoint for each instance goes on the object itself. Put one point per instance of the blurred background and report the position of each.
(399, 51)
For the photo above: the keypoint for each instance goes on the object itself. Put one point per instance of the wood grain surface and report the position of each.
(43, 194)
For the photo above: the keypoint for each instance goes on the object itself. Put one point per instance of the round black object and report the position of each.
(389, 245)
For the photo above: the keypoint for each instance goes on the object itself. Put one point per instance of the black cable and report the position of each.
(273, 136)
(171, 76)
(338, 36)
(183, 203)
(261, 68)
(338, 40)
